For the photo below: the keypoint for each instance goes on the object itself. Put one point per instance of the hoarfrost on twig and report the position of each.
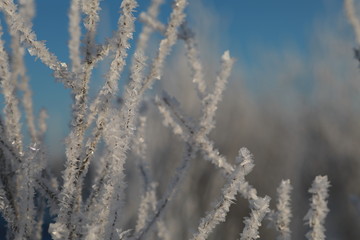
(315, 217)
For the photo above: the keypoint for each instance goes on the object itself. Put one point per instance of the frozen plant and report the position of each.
(105, 132)
(315, 217)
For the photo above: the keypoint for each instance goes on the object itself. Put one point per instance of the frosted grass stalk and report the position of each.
(213, 155)
(144, 36)
(90, 148)
(259, 206)
(27, 11)
(92, 56)
(135, 88)
(76, 136)
(172, 117)
(147, 205)
(90, 23)
(195, 64)
(172, 187)
(229, 191)
(176, 19)
(211, 101)
(73, 178)
(114, 193)
(124, 125)
(128, 116)
(259, 209)
(353, 19)
(35, 47)
(132, 95)
(6, 210)
(315, 217)
(91, 9)
(148, 199)
(153, 9)
(165, 45)
(48, 187)
(181, 126)
(90, 209)
(152, 23)
(120, 43)
(192, 52)
(28, 107)
(246, 190)
(129, 108)
(47, 182)
(75, 33)
(42, 123)
(94, 204)
(29, 170)
(162, 230)
(139, 149)
(282, 216)
(10, 160)
(66, 219)
(156, 25)
(11, 157)
(11, 108)
(39, 217)
(117, 135)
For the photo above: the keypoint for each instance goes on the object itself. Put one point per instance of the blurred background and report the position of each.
(292, 99)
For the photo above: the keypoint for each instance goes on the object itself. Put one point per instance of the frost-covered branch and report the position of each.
(172, 187)
(29, 169)
(133, 96)
(259, 206)
(211, 101)
(218, 214)
(315, 217)
(192, 52)
(74, 33)
(103, 50)
(194, 61)
(42, 125)
(27, 10)
(72, 177)
(148, 199)
(147, 205)
(121, 44)
(117, 136)
(139, 149)
(6, 209)
(17, 65)
(91, 9)
(103, 133)
(143, 39)
(172, 117)
(176, 19)
(259, 209)
(152, 23)
(282, 216)
(11, 108)
(36, 48)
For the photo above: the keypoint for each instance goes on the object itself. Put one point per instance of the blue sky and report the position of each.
(246, 27)
(243, 23)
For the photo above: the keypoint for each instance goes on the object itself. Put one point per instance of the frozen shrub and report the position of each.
(106, 132)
